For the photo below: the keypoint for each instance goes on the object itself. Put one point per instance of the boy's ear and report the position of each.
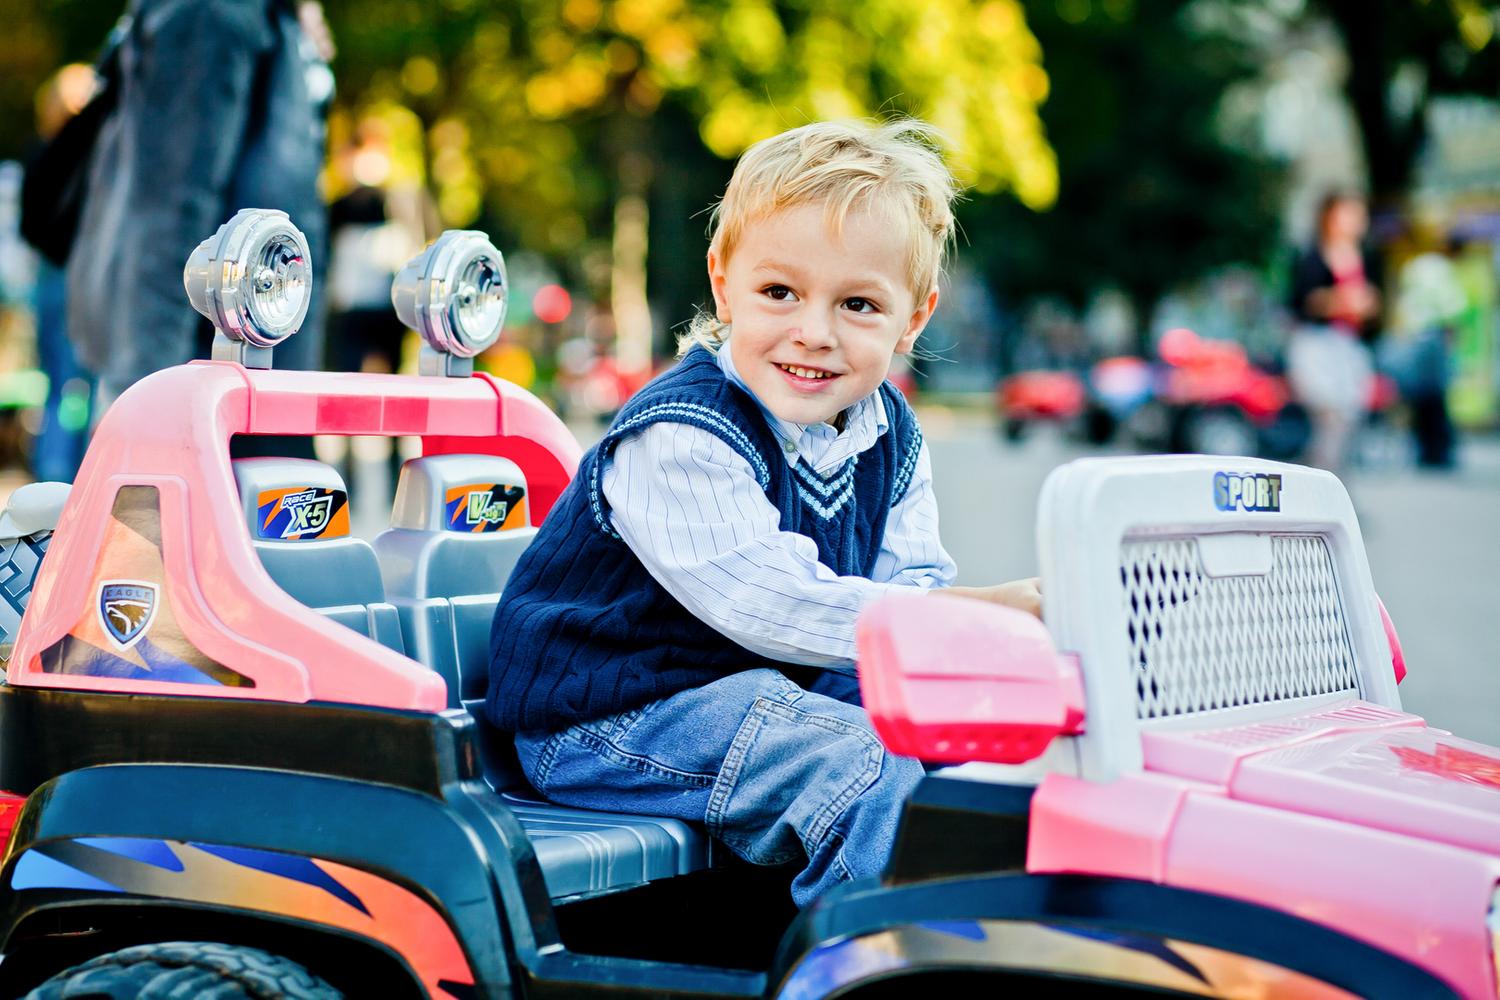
(718, 280)
(919, 318)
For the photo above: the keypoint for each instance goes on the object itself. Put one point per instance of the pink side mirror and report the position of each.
(1398, 658)
(949, 680)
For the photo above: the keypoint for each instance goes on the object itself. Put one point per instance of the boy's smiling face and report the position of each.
(817, 318)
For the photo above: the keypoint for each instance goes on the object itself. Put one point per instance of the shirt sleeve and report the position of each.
(689, 507)
(911, 553)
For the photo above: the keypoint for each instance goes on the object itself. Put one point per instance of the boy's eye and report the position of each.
(779, 293)
(860, 305)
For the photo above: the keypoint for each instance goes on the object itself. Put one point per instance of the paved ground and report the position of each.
(1433, 543)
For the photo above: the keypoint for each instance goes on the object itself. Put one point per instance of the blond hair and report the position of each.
(891, 167)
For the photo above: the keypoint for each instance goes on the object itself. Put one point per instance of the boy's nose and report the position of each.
(814, 333)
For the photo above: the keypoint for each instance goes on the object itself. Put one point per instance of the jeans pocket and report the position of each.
(788, 776)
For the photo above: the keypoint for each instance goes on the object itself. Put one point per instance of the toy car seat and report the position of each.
(458, 525)
(298, 512)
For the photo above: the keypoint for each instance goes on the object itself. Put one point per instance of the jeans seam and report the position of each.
(787, 691)
(637, 762)
(545, 760)
(840, 866)
(729, 771)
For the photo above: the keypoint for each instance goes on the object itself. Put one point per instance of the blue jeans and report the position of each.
(776, 773)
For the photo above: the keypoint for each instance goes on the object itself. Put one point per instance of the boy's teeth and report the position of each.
(805, 372)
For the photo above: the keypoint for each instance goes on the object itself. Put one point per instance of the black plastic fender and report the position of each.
(243, 838)
(1031, 928)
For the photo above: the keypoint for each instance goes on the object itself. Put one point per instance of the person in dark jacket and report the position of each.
(221, 107)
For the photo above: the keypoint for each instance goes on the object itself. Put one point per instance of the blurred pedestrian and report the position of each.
(220, 106)
(1430, 301)
(58, 447)
(1336, 301)
(366, 250)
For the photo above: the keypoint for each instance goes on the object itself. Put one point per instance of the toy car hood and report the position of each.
(1355, 762)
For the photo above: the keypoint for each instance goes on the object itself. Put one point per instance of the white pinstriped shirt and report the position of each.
(689, 507)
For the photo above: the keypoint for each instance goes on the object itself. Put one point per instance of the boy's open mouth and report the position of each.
(810, 374)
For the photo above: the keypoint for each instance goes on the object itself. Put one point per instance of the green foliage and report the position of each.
(551, 98)
(541, 115)
(40, 36)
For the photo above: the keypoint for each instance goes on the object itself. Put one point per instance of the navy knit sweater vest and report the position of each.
(583, 631)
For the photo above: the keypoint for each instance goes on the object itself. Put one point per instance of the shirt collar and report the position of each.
(820, 444)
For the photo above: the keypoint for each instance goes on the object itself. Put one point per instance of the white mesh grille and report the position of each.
(1200, 643)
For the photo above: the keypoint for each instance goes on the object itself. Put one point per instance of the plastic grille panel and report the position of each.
(1199, 643)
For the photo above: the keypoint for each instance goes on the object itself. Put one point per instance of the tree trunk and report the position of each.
(627, 277)
(1390, 147)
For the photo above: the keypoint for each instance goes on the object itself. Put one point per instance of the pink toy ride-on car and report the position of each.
(242, 750)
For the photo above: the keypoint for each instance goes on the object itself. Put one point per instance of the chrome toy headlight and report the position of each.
(253, 280)
(454, 294)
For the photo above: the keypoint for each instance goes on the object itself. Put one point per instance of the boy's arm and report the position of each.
(689, 507)
(911, 554)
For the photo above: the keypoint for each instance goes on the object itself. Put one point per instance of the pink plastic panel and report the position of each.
(1118, 828)
(482, 415)
(1354, 761)
(1213, 755)
(1355, 816)
(170, 434)
(1421, 900)
(950, 680)
(1422, 782)
(1398, 657)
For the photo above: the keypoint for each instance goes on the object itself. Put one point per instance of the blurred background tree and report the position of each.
(592, 129)
(1152, 193)
(596, 132)
(1401, 54)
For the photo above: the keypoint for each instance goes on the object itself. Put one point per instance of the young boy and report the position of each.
(678, 640)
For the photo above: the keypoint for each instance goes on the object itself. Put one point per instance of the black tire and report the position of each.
(1216, 430)
(1011, 429)
(1098, 425)
(1152, 426)
(1286, 437)
(203, 970)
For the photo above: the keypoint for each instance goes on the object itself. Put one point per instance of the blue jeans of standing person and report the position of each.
(59, 445)
(776, 773)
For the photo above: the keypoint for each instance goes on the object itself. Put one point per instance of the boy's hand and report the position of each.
(1023, 595)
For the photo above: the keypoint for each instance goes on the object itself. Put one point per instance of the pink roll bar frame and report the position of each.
(171, 431)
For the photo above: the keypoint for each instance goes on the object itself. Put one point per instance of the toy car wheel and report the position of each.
(1098, 425)
(186, 969)
(1150, 426)
(1218, 431)
(1286, 437)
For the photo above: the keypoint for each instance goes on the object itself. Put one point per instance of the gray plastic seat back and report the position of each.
(297, 512)
(458, 525)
